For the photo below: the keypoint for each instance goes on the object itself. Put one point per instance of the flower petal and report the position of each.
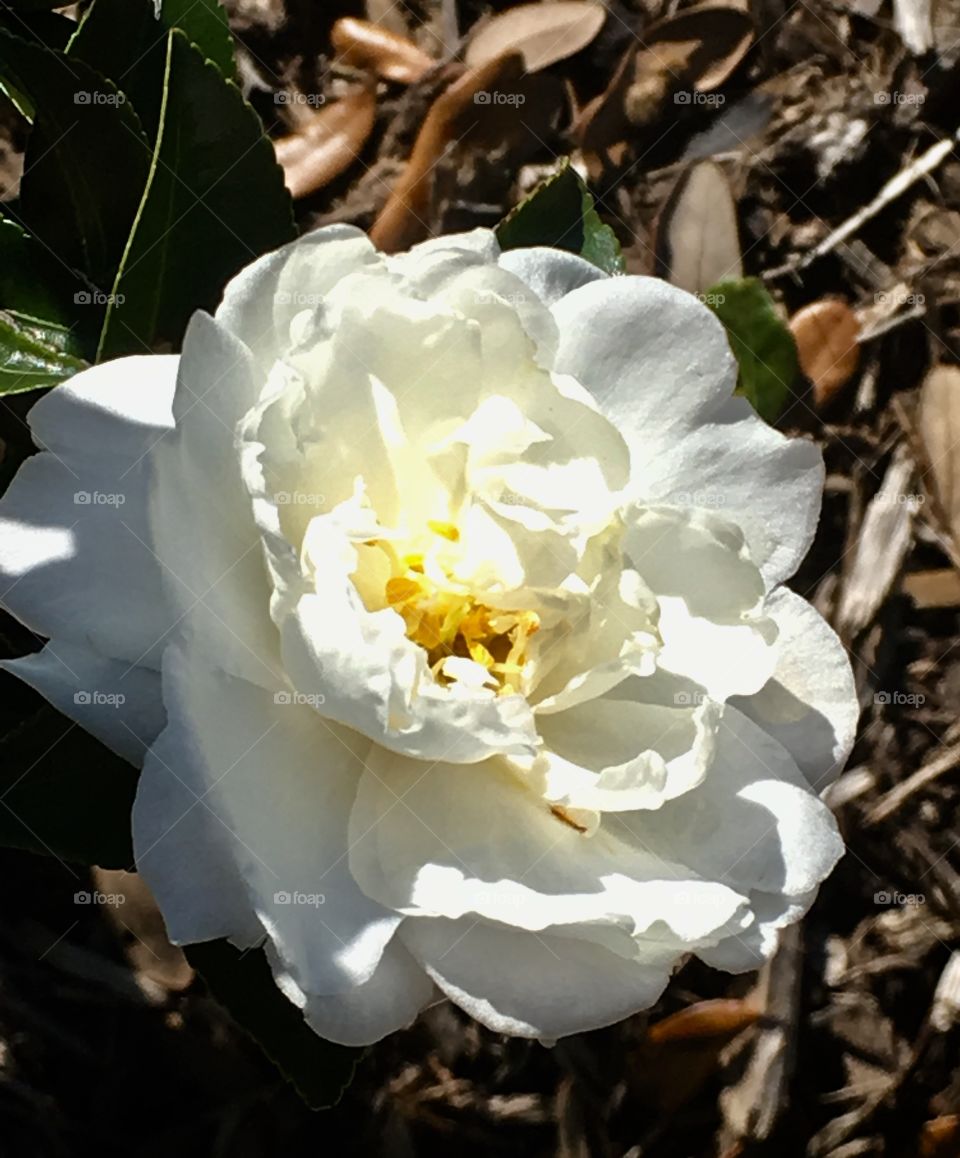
(550, 273)
(671, 396)
(450, 840)
(280, 782)
(214, 575)
(121, 705)
(753, 824)
(76, 556)
(388, 1000)
(809, 703)
(533, 984)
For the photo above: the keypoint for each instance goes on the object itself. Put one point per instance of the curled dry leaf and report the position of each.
(938, 424)
(722, 1017)
(387, 54)
(541, 33)
(403, 220)
(327, 142)
(828, 348)
(697, 244)
(696, 49)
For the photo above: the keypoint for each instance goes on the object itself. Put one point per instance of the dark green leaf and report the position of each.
(51, 29)
(215, 200)
(319, 1070)
(34, 353)
(32, 281)
(126, 40)
(761, 342)
(86, 161)
(561, 213)
(64, 793)
(30, 5)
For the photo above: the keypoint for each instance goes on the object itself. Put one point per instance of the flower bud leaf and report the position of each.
(761, 342)
(242, 983)
(561, 213)
(34, 354)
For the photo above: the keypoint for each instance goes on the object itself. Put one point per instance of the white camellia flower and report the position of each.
(441, 594)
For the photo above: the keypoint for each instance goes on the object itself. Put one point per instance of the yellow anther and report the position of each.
(401, 590)
(445, 530)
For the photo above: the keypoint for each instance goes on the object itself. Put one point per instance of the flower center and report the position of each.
(449, 622)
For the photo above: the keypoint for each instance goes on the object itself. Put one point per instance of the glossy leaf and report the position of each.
(761, 342)
(126, 40)
(561, 213)
(34, 354)
(86, 159)
(214, 201)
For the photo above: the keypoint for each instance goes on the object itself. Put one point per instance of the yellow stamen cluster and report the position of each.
(447, 622)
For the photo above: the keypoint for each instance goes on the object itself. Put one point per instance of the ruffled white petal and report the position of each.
(121, 705)
(533, 984)
(659, 364)
(280, 782)
(809, 703)
(77, 559)
(450, 840)
(550, 273)
(201, 523)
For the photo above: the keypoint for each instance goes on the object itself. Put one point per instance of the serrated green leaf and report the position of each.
(86, 160)
(319, 1070)
(561, 213)
(126, 40)
(63, 793)
(214, 201)
(761, 342)
(51, 29)
(34, 353)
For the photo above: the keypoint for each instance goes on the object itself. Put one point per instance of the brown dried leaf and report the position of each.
(403, 220)
(697, 244)
(387, 54)
(541, 33)
(826, 333)
(722, 1017)
(327, 142)
(939, 587)
(938, 423)
(722, 34)
(696, 49)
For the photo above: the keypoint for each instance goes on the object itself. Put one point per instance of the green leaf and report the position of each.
(761, 342)
(34, 353)
(31, 280)
(63, 793)
(214, 201)
(126, 40)
(30, 5)
(51, 29)
(319, 1070)
(561, 213)
(86, 161)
